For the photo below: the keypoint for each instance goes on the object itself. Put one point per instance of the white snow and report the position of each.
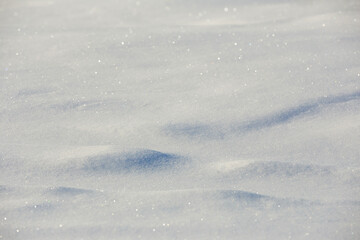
(179, 119)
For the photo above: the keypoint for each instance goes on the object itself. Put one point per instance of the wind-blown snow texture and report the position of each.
(179, 119)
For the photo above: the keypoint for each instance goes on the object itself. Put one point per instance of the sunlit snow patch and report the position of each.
(251, 169)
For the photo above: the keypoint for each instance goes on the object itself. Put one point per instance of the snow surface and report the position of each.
(201, 119)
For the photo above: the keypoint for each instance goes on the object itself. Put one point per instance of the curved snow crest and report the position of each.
(42, 208)
(143, 160)
(217, 131)
(273, 169)
(250, 199)
(242, 195)
(196, 130)
(4, 189)
(67, 191)
(93, 104)
(29, 92)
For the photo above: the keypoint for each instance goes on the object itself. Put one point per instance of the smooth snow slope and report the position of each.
(179, 119)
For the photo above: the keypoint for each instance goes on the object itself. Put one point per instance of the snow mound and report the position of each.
(249, 199)
(228, 199)
(142, 160)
